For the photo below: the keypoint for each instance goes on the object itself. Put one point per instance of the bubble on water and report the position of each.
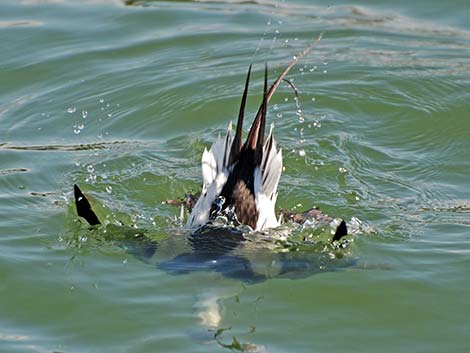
(110, 115)
(109, 189)
(276, 31)
(77, 163)
(275, 107)
(279, 115)
(124, 261)
(76, 130)
(302, 153)
(101, 100)
(294, 57)
(81, 126)
(90, 168)
(313, 99)
(84, 114)
(286, 99)
(71, 110)
(342, 170)
(100, 136)
(325, 71)
(301, 119)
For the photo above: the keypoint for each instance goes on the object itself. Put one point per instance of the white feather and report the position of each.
(266, 183)
(214, 176)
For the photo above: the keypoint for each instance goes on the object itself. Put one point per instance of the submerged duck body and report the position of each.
(240, 180)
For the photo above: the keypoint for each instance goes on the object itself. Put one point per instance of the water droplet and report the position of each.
(313, 99)
(286, 99)
(124, 261)
(71, 110)
(325, 71)
(294, 57)
(109, 189)
(84, 114)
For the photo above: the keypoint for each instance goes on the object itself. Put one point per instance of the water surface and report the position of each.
(123, 100)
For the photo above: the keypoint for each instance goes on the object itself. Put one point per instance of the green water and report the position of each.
(123, 100)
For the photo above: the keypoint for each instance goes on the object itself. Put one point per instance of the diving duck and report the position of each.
(240, 179)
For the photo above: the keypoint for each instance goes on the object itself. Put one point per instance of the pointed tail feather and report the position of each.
(255, 137)
(237, 142)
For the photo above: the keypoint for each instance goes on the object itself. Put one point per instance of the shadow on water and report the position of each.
(233, 253)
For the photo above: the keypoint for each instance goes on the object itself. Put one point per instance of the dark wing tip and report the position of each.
(83, 207)
(341, 231)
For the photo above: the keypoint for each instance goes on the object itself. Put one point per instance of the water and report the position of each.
(123, 100)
